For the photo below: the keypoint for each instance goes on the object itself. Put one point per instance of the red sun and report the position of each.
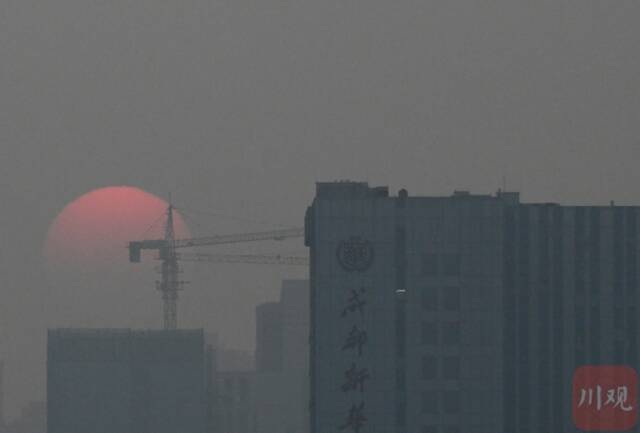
(92, 232)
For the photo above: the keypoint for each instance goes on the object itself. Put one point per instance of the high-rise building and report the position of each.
(467, 313)
(282, 348)
(127, 381)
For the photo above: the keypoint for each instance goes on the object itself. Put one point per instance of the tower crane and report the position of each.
(169, 284)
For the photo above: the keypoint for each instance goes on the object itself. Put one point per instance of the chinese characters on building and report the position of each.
(356, 375)
(355, 255)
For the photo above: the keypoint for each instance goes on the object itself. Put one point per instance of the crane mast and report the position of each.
(169, 285)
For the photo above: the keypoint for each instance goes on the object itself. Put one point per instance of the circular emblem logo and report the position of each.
(355, 254)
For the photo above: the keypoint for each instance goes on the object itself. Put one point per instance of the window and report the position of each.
(429, 264)
(580, 338)
(429, 402)
(401, 414)
(243, 389)
(451, 367)
(451, 265)
(429, 333)
(617, 289)
(618, 350)
(451, 299)
(400, 379)
(430, 298)
(618, 318)
(429, 367)
(451, 333)
(451, 401)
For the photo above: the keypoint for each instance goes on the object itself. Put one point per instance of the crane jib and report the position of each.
(166, 248)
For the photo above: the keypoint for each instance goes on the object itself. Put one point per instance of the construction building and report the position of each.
(466, 313)
(126, 381)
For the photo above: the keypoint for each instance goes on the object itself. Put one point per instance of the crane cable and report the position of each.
(194, 212)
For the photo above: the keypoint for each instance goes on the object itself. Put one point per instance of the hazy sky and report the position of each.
(238, 107)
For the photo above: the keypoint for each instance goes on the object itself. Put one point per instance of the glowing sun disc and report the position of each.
(92, 231)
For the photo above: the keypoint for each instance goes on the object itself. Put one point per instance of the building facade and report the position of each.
(126, 381)
(467, 313)
(570, 294)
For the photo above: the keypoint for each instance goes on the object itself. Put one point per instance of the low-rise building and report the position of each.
(126, 381)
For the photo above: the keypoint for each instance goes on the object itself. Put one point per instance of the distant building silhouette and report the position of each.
(467, 313)
(234, 410)
(126, 381)
(235, 359)
(231, 407)
(269, 337)
(282, 348)
(269, 392)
